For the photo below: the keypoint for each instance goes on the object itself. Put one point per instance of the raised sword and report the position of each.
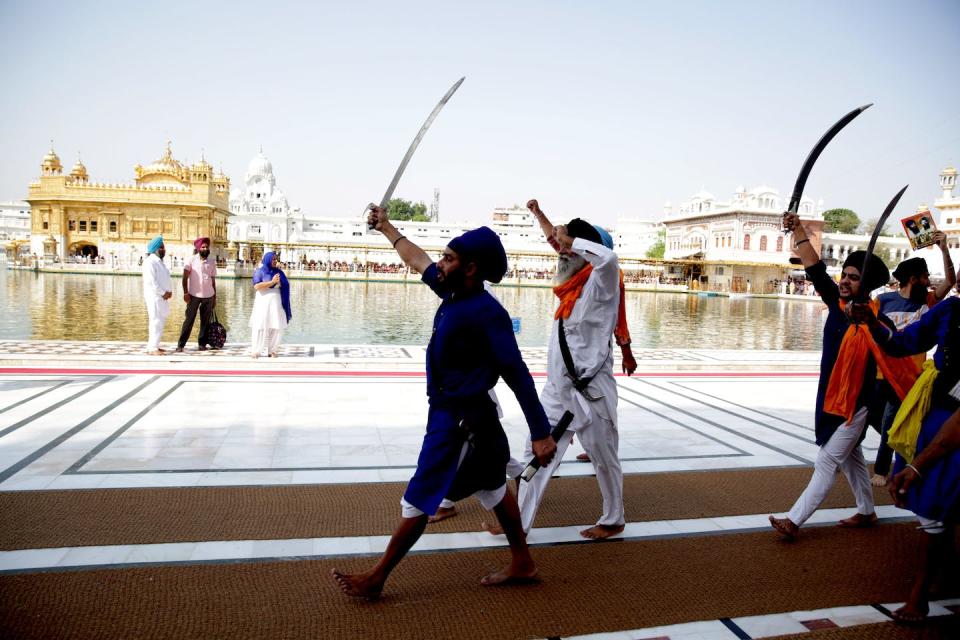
(818, 148)
(876, 234)
(413, 147)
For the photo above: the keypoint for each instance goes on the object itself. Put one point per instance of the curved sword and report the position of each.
(413, 147)
(876, 232)
(815, 153)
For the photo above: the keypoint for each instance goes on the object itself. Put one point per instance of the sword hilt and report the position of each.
(370, 206)
(556, 434)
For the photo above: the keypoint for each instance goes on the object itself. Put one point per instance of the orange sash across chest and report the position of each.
(846, 379)
(570, 291)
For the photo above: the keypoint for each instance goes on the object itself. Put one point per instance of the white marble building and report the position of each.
(740, 240)
(14, 221)
(949, 206)
(260, 210)
(633, 237)
(745, 228)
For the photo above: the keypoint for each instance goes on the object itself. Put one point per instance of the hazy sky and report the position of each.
(600, 109)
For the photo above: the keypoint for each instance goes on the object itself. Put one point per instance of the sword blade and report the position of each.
(877, 229)
(815, 153)
(416, 142)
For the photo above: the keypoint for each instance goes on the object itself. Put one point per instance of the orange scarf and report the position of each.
(846, 379)
(622, 332)
(570, 291)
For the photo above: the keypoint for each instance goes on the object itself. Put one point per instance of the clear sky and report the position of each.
(600, 109)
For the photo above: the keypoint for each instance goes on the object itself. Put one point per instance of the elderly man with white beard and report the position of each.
(580, 367)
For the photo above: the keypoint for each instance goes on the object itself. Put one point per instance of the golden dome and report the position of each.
(51, 162)
(79, 171)
(923, 207)
(166, 169)
(166, 164)
(949, 171)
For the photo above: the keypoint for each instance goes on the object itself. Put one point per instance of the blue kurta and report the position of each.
(833, 330)
(937, 495)
(471, 347)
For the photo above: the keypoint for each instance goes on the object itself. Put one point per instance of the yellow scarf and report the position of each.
(903, 433)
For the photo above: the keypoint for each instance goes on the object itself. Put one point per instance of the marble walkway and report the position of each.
(102, 415)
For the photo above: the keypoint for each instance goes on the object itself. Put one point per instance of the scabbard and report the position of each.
(556, 434)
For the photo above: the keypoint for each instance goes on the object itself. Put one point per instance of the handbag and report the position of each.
(216, 335)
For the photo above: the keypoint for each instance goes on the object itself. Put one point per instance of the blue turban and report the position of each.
(482, 246)
(579, 228)
(605, 236)
(155, 244)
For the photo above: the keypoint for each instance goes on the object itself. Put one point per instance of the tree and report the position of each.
(868, 227)
(841, 221)
(400, 209)
(657, 248)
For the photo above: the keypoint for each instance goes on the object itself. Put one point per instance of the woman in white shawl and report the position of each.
(271, 307)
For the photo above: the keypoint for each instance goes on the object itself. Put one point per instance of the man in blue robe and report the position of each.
(465, 449)
(929, 483)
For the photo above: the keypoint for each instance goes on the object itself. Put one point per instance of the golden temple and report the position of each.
(71, 216)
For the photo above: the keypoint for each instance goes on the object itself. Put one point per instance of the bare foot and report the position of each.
(601, 531)
(878, 480)
(254, 355)
(910, 615)
(785, 527)
(442, 514)
(273, 355)
(510, 576)
(358, 586)
(583, 457)
(156, 352)
(492, 529)
(859, 521)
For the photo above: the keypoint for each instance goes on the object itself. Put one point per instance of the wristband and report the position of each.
(915, 470)
(398, 240)
(797, 244)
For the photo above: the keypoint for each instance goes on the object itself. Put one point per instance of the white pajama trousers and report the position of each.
(601, 441)
(842, 451)
(266, 341)
(156, 320)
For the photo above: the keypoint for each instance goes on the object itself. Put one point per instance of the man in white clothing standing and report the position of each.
(157, 289)
(580, 367)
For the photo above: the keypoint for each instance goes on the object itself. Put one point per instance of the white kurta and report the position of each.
(156, 282)
(588, 331)
(267, 322)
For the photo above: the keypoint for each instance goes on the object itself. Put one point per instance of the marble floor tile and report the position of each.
(85, 556)
(31, 558)
(769, 625)
(283, 548)
(165, 552)
(226, 550)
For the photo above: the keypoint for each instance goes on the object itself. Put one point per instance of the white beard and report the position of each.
(567, 267)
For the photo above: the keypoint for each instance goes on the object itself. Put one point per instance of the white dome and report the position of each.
(259, 167)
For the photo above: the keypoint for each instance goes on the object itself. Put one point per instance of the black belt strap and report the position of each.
(578, 383)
